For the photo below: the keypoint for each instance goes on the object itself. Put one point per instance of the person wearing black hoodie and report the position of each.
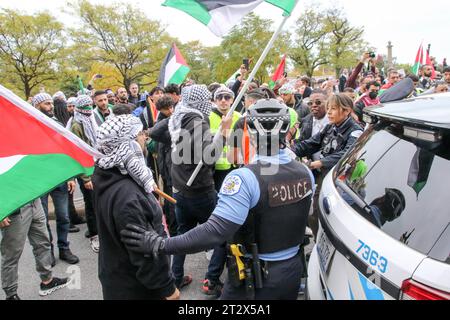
(160, 134)
(192, 142)
(123, 193)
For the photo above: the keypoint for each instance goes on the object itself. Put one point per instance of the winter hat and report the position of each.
(287, 89)
(72, 101)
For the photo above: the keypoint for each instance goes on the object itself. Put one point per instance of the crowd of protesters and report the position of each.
(140, 133)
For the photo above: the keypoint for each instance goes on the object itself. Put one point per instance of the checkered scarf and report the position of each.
(116, 139)
(194, 99)
(84, 115)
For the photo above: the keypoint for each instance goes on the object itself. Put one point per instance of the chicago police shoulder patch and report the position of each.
(231, 186)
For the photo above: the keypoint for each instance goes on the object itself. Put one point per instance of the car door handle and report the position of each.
(326, 205)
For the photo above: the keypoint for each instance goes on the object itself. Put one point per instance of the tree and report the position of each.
(248, 40)
(346, 41)
(123, 37)
(197, 57)
(308, 49)
(30, 47)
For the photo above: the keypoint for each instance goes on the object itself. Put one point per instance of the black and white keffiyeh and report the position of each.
(194, 99)
(83, 114)
(116, 139)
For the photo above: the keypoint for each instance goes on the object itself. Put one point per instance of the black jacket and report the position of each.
(160, 133)
(306, 127)
(125, 275)
(182, 171)
(301, 109)
(333, 142)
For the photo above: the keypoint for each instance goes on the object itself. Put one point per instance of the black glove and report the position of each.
(143, 241)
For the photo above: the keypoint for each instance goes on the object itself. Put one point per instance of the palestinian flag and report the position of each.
(221, 15)
(36, 154)
(279, 73)
(174, 69)
(419, 61)
(419, 170)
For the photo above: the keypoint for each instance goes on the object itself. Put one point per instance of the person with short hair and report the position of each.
(173, 90)
(111, 97)
(133, 96)
(85, 127)
(447, 76)
(393, 78)
(368, 99)
(425, 80)
(60, 195)
(161, 135)
(103, 109)
(122, 95)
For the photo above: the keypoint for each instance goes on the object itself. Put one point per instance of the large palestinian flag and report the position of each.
(174, 69)
(36, 154)
(221, 15)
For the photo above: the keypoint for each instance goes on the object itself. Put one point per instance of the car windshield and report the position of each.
(400, 185)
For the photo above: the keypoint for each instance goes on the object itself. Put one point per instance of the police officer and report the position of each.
(332, 143)
(262, 207)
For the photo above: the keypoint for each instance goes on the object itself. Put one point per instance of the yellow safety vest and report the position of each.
(214, 122)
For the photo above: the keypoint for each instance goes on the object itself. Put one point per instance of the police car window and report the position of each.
(403, 188)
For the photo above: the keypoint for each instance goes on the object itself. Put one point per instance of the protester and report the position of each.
(103, 109)
(174, 92)
(370, 98)
(393, 78)
(287, 93)
(123, 195)
(160, 134)
(133, 96)
(122, 95)
(315, 122)
(27, 222)
(85, 127)
(60, 196)
(252, 215)
(111, 97)
(425, 80)
(447, 76)
(189, 127)
(223, 99)
(149, 114)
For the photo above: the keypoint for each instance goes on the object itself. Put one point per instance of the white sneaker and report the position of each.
(95, 244)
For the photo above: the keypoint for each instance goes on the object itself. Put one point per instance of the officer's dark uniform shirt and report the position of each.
(241, 192)
(333, 142)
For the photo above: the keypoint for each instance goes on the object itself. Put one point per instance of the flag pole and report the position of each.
(243, 91)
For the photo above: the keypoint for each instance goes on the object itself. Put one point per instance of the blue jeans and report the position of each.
(60, 197)
(189, 213)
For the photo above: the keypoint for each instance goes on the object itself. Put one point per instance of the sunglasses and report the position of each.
(317, 103)
(226, 97)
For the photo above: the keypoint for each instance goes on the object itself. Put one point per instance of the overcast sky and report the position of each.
(405, 23)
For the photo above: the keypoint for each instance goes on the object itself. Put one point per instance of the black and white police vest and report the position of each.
(278, 222)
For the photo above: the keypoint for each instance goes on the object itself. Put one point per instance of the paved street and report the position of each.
(90, 285)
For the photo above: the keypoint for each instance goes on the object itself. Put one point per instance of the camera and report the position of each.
(372, 55)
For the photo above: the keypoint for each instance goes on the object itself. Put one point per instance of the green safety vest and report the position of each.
(214, 122)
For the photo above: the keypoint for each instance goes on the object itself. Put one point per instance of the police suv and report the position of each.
(385, 213)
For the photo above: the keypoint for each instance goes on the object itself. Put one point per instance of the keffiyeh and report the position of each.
(116, 139)
(194, 99)
(84, 116)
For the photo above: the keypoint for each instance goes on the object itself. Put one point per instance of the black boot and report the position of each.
(67, 256)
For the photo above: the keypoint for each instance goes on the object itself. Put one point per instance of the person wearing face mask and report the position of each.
(370, 98)
(85, 127)
(332, 143)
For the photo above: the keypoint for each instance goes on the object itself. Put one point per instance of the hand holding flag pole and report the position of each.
(243, 91)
